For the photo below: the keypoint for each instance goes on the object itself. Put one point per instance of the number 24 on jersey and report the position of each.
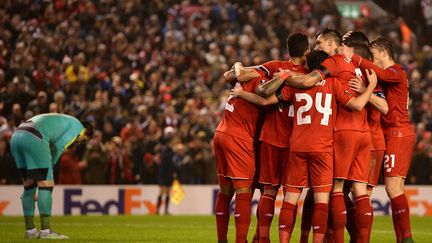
(325, 110)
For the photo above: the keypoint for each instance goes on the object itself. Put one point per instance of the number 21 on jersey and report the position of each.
(325, 110)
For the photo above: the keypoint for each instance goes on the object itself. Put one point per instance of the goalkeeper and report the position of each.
(36, 146)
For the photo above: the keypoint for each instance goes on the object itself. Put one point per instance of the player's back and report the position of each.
(340, 67)
(277, 125)
(397, 119)
(54, 126)
(240, 116)
(314, 111)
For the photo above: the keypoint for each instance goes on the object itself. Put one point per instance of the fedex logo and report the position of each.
(127, 200)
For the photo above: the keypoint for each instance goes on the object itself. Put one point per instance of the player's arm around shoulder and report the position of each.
(238, 91)
(244, 74)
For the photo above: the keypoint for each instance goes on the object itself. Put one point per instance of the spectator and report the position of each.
(70, 168)
(8, 170)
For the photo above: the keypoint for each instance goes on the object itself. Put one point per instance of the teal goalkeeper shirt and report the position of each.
(59, 130)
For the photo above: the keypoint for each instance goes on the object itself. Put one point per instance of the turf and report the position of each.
(176, 229)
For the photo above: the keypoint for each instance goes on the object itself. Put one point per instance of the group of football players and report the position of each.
(331, 120)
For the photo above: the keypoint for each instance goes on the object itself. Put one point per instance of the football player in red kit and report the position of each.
(352, 143)
(276, 131)
(398, 131)
(235, 161)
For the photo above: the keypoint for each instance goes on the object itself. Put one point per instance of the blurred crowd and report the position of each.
(147, 74)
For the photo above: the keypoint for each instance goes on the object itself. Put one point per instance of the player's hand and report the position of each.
(236, 90)
(357, 85)
(372, 77)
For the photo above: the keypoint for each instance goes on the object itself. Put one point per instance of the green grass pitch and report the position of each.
(177, 229)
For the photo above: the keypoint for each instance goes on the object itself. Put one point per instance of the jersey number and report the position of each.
(389, 162)
(326, 110)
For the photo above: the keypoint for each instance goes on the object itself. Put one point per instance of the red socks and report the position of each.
(364, 217)
(222, 215)
(242, 215)
(351, 217)
(400, 210)
(306, 223)
(338, 212)
(319, 221)
(266, 211)
(286, 221)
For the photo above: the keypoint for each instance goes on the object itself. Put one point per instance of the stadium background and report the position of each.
(141, 69)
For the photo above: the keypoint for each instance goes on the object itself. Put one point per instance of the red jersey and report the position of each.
(277, 125)
(394, 82)
(344, 69)
(240, 116)
(314, 111)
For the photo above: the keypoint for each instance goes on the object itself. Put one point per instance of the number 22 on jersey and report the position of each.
(325, 110)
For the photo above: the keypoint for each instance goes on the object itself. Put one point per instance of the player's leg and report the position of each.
(223, 200)
(243, 206)
(350, 206)
(364, 212)
(30, 186)
(273, 162)
(377, 158)
(400, 208)
(344, 147)
(338, 210)
(321, 177)
(294, 179)
(266, 211)
(28, 204)
(359, 174)
(288, 213)
(40, 169)
(396, 165)
(307, 213)
(226, 188)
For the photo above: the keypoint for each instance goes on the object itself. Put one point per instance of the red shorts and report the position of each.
(273, 160)
(376, 163)
(235, 157)
(397, 159)
(352, 152)
(309, 166)
(225, 181)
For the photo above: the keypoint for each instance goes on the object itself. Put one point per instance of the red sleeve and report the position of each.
(386, 75)
(343, 94)
(271, 67)
(331, 65)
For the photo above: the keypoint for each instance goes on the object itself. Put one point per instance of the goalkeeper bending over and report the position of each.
(36, 146)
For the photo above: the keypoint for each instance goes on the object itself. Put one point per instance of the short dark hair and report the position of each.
(355, 37)
(382, 44)
(315, 58)
(89, 128)
(297, 44)
(362, 50)
(333, 34)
